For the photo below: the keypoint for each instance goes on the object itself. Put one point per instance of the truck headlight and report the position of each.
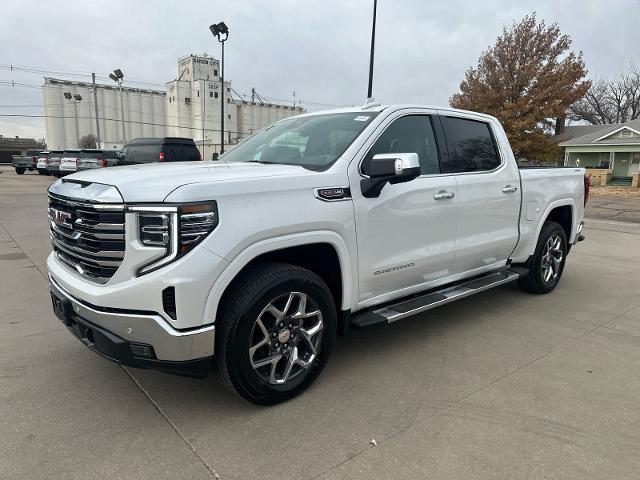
(176, 229)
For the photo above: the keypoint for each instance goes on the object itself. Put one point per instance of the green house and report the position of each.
(615, 147)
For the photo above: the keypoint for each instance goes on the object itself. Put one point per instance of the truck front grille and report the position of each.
(87, 237)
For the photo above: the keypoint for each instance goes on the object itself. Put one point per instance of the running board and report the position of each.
(406, 308)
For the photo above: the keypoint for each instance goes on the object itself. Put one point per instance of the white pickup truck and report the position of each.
(252, 264)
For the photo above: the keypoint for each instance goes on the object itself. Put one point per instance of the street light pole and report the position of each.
(373, 41)
(118, 77)
(124, 139)
(75, 98)
(221, 32)
(222, 101)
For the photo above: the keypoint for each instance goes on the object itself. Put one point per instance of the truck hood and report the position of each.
(154, 182)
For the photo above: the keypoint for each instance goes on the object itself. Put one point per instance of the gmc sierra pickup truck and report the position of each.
(252, 264)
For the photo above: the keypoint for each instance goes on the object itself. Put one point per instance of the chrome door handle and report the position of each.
(509, 189)
(441, 195)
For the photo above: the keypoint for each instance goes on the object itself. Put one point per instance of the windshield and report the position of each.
(314, 142)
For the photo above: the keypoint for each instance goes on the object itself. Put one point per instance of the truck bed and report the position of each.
(543, 189)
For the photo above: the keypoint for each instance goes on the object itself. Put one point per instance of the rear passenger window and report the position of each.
(471, 146)
(410, 134)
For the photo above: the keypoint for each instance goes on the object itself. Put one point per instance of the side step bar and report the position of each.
(406, 308)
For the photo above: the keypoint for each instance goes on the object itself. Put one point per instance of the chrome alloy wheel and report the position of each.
(285, 338)
(552, 255)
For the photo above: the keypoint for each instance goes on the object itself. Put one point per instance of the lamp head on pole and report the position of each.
(220, 29)
(113, 77)
(118, 73)
(77, 97)
(67, 95)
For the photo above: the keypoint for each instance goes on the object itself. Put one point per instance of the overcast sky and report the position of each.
(319, 48)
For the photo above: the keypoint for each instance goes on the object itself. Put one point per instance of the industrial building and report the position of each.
(68, 119)
(189, 107)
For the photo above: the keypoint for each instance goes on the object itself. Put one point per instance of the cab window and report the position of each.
(409, 134)
(471, 146)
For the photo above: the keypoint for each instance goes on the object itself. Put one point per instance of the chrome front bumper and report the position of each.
(140, 328)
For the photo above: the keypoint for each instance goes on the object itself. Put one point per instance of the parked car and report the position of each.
(152, 150)
(22, 163)
(53, 165)
(69, 161)
(94, 158)
(315, 224)
(42, 162)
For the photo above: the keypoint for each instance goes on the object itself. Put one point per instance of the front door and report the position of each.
(406, 236)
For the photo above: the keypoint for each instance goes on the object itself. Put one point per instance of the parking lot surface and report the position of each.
(626, 209)
(499, 385)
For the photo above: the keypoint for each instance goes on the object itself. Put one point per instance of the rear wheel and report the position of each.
(20, 170)
(547, 263)
(277, 331)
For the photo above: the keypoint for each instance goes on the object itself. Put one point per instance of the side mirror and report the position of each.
(214, 156)
(392, 168)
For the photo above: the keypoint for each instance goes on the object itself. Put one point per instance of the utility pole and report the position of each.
(373, 41)
(95, 108)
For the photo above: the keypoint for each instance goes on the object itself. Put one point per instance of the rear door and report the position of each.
(406, 236)
(488, 193)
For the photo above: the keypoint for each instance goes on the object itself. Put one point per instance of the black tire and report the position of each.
(20, 171)
(42, 171)
(536, 282)
(245, 303)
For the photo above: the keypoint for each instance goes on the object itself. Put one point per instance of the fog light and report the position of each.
(139, 350)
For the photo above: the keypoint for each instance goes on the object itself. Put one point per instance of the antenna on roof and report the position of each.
(370, 103)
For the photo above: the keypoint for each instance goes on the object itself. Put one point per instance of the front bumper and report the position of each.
(137, 339)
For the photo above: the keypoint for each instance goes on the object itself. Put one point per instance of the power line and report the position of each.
(77, 73)
(43, 71)
(22, 115)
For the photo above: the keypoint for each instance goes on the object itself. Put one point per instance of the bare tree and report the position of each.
(88, 141)
(613, 101)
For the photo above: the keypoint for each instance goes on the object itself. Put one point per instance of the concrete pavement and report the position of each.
(500, 385)
(625, 209)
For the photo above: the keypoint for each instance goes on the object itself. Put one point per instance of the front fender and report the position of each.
(348, 265)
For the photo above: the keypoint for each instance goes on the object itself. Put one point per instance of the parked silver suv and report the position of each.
(96, 158)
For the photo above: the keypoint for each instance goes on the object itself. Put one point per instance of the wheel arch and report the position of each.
(562, 215)
(324, 253)
(561, 211)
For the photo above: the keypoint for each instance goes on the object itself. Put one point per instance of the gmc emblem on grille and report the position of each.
(61, 218)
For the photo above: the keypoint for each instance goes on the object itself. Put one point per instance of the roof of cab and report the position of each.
(377, 107)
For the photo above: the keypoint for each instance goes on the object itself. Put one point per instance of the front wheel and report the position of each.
(20, 171)
(547, 263)
(277, 330)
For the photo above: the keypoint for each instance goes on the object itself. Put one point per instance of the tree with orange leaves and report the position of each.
(527, 80)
